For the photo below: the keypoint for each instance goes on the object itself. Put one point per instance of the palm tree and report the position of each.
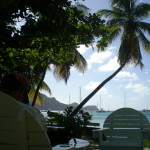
(39, 96)
(125, 19)
(61, 71)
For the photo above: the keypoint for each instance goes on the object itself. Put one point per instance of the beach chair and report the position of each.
(123, 129)
(19, 130)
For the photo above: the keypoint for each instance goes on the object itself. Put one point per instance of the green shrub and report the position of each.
(147, 143)
(75, 126)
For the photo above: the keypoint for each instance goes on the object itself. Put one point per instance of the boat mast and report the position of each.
(80, 99)
(124, 99)
(69, 98)
(100, 107)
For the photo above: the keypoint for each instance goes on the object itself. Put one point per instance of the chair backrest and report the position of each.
(125, 128)
(19, 130)
(126, 118)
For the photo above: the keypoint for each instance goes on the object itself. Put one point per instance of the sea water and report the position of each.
(99, 117)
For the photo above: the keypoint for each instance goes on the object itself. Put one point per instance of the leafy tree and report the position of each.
(75, 127)
(35, 35)
(125, 19)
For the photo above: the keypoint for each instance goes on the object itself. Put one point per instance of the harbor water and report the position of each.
(99, 117)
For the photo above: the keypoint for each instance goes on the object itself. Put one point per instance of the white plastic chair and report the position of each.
(123, 129)
(19, 130)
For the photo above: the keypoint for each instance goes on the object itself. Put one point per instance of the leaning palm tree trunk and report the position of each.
(76, 110)
(39, 85)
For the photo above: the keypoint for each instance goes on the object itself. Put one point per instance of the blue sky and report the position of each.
(132, 83)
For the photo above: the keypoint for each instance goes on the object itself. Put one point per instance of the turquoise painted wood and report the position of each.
(123, 129)
(19, 130)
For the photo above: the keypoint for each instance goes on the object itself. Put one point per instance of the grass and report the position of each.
(147, 143)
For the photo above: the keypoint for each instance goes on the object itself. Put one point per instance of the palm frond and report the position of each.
(85, 10)
(116, 22)
(48, 68)
(130, 48)
(123, 53)
(125, 16)
(118, 3)
(114, 32)
(45, 87)
(39, 99)
(144, 26)
(118, 12)
(62, 71)
(105, 13)
(141, 65)
(80, 62)
(122, 4)
(145, 42)
(137, 52)
(141, 11)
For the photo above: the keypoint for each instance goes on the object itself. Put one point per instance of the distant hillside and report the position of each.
(92, 107)
(74, 105)
(50, 103)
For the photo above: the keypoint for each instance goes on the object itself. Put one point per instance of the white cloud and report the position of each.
(110, 96)
(110, 48)
(139, 88)
(92, 85)
(125, 76)
(110, 66)
(148, 80)
(83, 49)
(98, 58)
(147, 71)
(103, 91)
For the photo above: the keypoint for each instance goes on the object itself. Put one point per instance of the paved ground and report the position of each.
(95, 146)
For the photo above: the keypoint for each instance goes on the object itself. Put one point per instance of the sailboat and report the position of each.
(100, 109)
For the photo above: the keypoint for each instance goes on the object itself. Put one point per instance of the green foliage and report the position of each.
(125, 19)
(76, 125)
(147, 143)
(36, 34)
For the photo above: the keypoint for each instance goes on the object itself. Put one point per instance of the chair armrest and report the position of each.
(96, 133)
(103, 135)
(99, 134)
